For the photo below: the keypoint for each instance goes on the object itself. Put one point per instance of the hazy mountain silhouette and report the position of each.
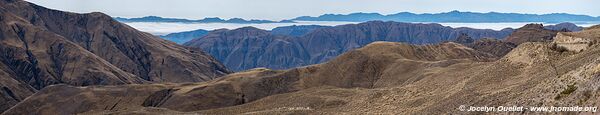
(453, 16)
(205, 20)
(182, 37)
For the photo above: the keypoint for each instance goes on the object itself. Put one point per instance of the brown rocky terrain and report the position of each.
(532, 33)
(380, 78)
(361, 68)
(493, 46)
(41, 47)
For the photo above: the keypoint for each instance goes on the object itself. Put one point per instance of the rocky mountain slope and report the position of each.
(532, 33)
(247, 48)
(493, 46)
(380, 78)
(41, 47)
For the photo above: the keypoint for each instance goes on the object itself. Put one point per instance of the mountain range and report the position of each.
(295, 30)
(453, 16)
(248, 47)
(205, 20)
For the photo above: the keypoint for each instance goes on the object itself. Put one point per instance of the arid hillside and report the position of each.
(40, 47)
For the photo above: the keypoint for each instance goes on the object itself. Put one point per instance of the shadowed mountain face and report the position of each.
(247, 48)
(40, 47)
(394, 78)
(564, 26)
(296, 31)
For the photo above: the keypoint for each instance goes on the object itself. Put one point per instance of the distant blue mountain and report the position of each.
(182, 37)
(295, 30)
(453, 16)
(205, 20)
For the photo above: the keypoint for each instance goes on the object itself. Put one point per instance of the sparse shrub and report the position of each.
(557, 48)
(593, 42)
(570, 89)
(586, 96)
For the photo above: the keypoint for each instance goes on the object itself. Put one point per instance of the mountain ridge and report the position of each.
(260, 48)
(452, 16)
(205, 20)
(40, 47)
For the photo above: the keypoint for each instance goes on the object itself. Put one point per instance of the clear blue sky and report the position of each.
(286, 9)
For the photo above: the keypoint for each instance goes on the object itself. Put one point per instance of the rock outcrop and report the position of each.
(576, 41)
(531, 33)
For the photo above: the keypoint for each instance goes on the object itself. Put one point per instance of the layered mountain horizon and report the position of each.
(299, 30)
(454, 16)
(205, 20)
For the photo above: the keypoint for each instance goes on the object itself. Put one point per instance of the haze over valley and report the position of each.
(496, 21)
